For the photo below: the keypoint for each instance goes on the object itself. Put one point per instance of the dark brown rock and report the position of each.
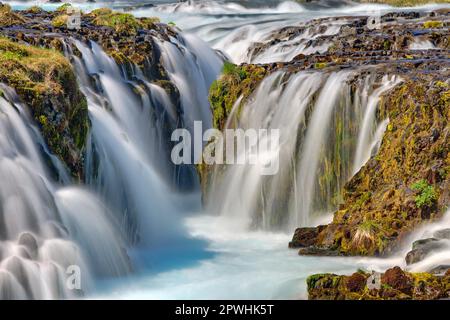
(305, 237)
(397, 279)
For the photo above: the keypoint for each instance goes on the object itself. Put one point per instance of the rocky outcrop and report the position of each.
(406, 183)
(45, 81)
(405, 3)
(32, 63)
(394, 284)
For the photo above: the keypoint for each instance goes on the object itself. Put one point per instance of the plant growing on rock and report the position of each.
(427, 194)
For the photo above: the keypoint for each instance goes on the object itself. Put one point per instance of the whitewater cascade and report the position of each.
(45, 227)
(133, 192)
(128, 157)
(327, 129)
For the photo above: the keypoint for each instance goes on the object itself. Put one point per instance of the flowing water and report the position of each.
(136, 228)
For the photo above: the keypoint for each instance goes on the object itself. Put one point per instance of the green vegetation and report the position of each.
(8, 17)
(60, 21)
(427, 195)
(124, 23)
(433, 24)
(320, 65)
(395, 284)
(63, 8)
(235, 82)
(44, 79)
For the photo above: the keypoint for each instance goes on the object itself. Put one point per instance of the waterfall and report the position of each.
(369, 128)
(327, 124)
(45, 227)
(128, 157)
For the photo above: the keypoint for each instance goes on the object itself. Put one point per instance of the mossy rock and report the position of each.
(405, 184)
(123, 23)
(235, 82)
(10, 18)
(394, 284)
(45, 81)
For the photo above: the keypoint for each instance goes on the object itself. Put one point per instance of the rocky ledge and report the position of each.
(394, 284)
(32, 62)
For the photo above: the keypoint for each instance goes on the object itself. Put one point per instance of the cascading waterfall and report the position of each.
(369, 127)
(133, 195)
(326, 128)
(45, 227)
(128, 155)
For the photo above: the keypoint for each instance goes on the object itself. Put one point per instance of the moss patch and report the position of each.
(44, 79)
(405, 184)
(123, 23)
(235, 82)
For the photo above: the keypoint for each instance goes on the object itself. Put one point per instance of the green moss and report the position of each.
(63, 8)
(122, 22)
(427, 194)
(235, 82)
(35, 10)
(433, 24)
(44, 79)
(60, 21)
(8, 17)
(100, 12)
(424, 286)
(320, 65)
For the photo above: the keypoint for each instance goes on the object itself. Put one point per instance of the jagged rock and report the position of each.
(305, 237)
(422, 248)
(397, 279)
(317, 251)
(57, 104)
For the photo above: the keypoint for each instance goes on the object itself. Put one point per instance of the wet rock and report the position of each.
(27, 240)
(397, 279)
(395, 284)
(356, 282)
(305, 237)
(442, 234)
(422, 248)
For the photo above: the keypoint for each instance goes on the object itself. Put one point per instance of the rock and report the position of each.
(396, 284)
(442, 234)
(27, 240)
(56, 102)
(356, 282)
(305, 237)
(317, 251)
(397, 279)
(440, 270)
(423, 243)
(422, 248)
